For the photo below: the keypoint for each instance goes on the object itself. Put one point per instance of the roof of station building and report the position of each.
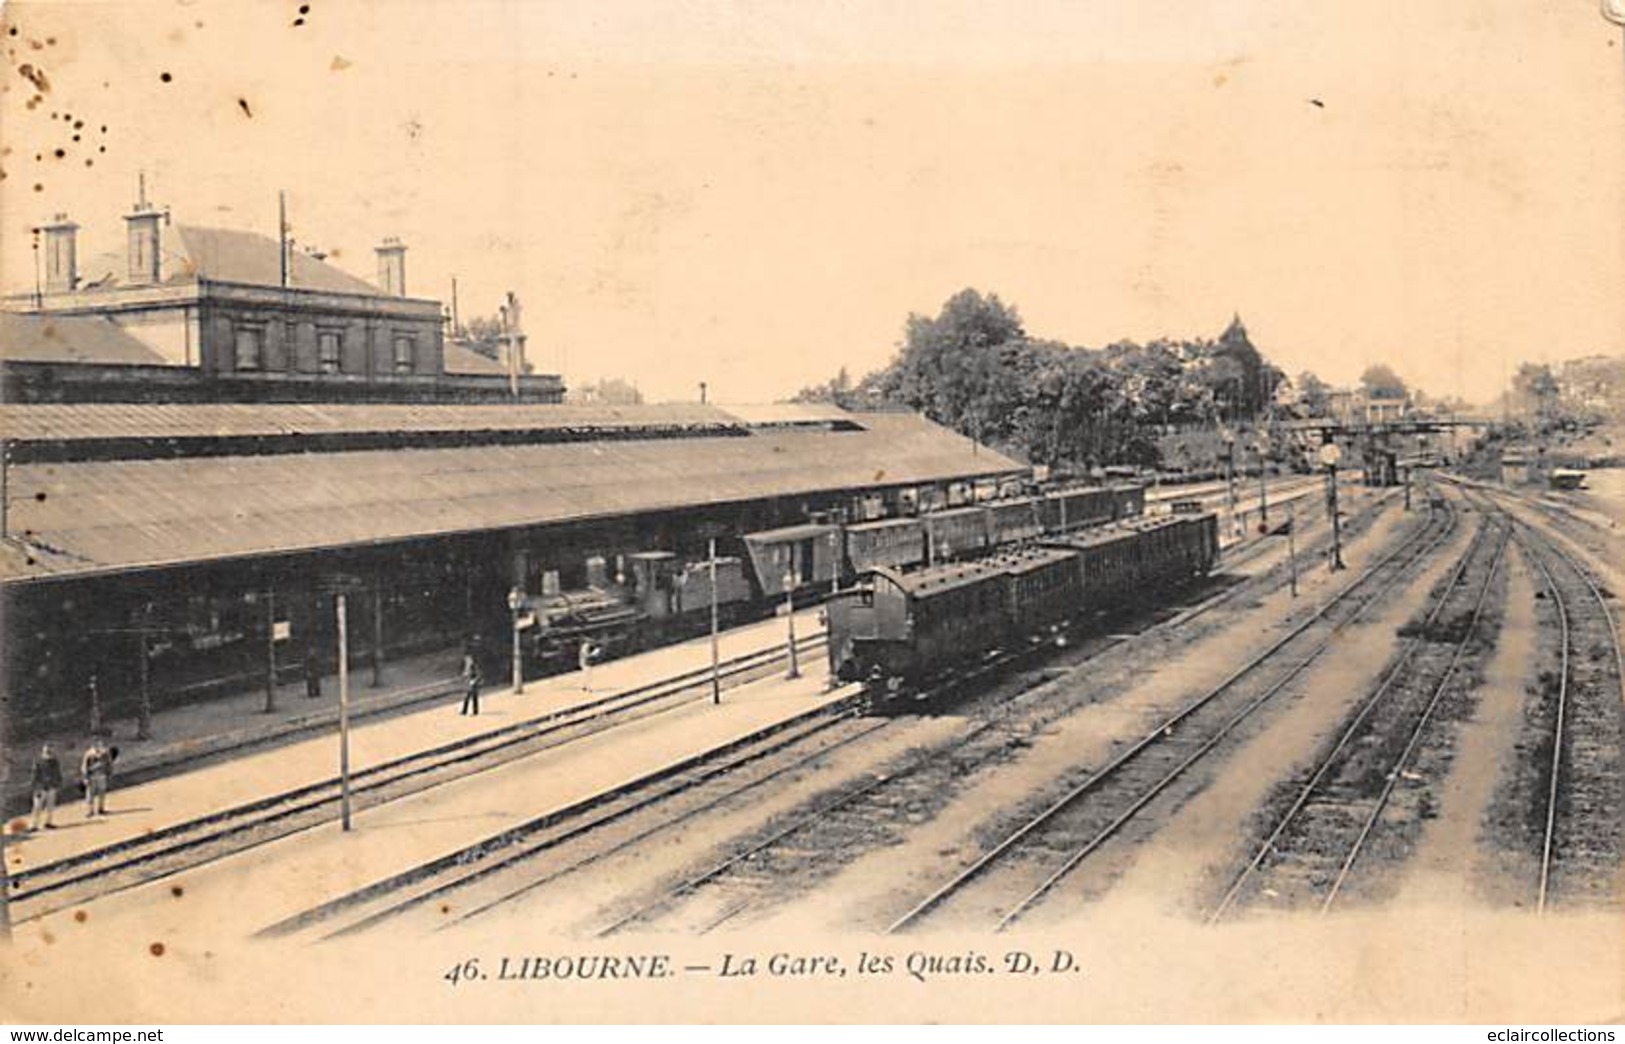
(71, 339)
(97, 516)
(227, 255)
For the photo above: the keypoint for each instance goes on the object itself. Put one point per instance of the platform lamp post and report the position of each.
(1330, 454)
(340, 585)
(344, 709)
(516, 605)
(1263, 484)
(716, 666)
(790, 617)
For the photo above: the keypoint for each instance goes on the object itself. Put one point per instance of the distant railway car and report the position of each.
(808, 555)
(1068, 509)
(1567, 478)
(957, 533)
(1015, 520)
(896, 542)
(1128, 500)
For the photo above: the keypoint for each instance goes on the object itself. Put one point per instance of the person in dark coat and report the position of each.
(313, 677)
(472, 678)
(47, 781)
(97, 772)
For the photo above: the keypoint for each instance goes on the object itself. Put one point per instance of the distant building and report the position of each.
(188, 313)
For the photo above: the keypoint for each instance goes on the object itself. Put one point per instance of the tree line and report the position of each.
(974, 368)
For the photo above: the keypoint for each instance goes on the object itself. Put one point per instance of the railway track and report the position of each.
(681, 794)
(1580, 846)
(1572, 814)
(53, 886)
(499, 870)
(1045, 848)
(1311, 853)
(818, 839)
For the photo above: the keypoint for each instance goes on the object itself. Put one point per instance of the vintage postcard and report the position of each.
(680, 511)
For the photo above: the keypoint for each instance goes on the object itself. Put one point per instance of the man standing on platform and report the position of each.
(472, 677)
(585, 657)
(47, 781)
(97, 771)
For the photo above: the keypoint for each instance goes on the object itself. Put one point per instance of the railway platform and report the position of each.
(198, 768)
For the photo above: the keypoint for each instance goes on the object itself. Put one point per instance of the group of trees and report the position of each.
(1581, 393)
(974, 368)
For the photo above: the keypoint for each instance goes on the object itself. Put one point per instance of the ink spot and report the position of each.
(101, 148)
(89, 162)
(13, 30)
(40, 496)
(156, 949)
(60, 153)
(37, 77)
(304, 9)
(38, 187)
(81, 916)
(77, 124)
(298, 22)
(76, 137)
(50, 41)
(177, 891)
(165, 77)
(242, 103)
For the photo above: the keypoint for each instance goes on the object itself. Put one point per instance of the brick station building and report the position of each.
(186, 313)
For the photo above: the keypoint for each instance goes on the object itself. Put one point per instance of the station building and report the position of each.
(160, 553)
(187, 313)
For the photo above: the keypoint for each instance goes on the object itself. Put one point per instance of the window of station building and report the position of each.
(329, 351)
(250, 347)
(406, 353)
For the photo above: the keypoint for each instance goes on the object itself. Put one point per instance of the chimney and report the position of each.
(392, 267)
(61, 255)
(144, 223)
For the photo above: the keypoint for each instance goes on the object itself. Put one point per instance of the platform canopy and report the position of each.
(87, 517)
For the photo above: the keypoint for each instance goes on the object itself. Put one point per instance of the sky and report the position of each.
(755, 194)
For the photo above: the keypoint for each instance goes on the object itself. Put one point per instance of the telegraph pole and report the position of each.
(1292, 545)
(1263, 486)
(790, 617)
(716, 673)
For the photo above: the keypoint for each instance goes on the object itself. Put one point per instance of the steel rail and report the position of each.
(1344, 739)
(1393, 776)
(975, 870)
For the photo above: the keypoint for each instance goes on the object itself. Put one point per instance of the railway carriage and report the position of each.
(895, 542)
(905, 628)
(807, 555)
(957, 533)
(1015, 521)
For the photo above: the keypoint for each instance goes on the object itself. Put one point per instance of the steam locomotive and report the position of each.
(654, 596)
(899, 631)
